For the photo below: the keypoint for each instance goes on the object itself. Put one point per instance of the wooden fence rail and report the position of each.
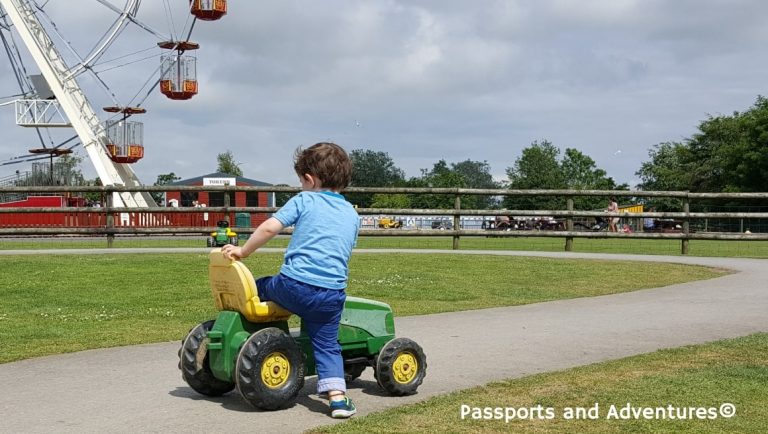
(109, 221)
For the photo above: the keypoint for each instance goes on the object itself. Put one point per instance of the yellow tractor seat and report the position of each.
(234, 289)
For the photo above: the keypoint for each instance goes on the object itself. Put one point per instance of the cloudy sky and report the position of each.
(422, 80)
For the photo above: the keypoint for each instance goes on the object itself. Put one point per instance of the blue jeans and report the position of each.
(320, 310)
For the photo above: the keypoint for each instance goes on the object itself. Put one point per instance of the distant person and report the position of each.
(196, 216)
(205, 214)
(502, 222)
(613, 206)
(649, 223)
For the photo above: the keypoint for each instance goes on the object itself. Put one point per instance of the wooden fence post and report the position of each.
(456, 221)
(226, 205)
(569, 226)
(110, 218)
(686, 225)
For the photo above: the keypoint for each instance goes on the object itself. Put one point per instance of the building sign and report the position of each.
(219, 181)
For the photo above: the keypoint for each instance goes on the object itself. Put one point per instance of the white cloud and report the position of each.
(428, 79)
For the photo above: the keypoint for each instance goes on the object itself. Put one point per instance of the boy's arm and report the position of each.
(265, 232)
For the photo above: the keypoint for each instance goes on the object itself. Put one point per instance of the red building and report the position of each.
(201, 219)
(208, 199)
(42, 219)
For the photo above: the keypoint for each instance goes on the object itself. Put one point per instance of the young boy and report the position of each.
(313, 276)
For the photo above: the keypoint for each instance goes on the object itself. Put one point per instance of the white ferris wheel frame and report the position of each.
(61, 80)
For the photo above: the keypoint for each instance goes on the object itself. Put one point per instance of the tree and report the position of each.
(441, 176)
(228, 165)
(668, 168)
(477, 175)
(372, 169)
(167, 178)
(64, 170)
(67, 170)
(581, 173)
(466, 174)
(731, 152)
(164, 179)
(728, 154)
(282, 197)
(536, 168)
(94, 196)
(399, 201)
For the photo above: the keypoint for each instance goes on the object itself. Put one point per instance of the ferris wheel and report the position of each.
(55, 97)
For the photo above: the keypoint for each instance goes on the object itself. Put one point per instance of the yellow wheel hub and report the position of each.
(275, 370)
(405, 367)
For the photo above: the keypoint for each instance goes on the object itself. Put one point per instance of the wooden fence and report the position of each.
(108, 220)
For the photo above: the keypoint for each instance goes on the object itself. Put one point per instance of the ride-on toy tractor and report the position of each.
(222, 235)
(250, 347)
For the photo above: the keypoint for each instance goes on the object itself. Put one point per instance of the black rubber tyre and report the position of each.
(270, 369)
(193, 362)
(352, 372)
(211, 242)
(401, 367)
(233, 241)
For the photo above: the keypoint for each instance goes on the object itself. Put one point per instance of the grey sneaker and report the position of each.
(342, 409)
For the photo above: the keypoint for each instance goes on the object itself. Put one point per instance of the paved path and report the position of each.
(139, 389)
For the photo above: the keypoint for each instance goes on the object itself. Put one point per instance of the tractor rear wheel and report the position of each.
(270, 369)
(193, 362)
(401, 367)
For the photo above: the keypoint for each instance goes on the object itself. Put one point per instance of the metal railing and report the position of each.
(109, 220)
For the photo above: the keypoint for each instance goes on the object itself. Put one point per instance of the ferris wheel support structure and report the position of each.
(73, 102)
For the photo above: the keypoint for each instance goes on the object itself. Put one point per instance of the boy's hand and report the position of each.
(232, 253)
(258, 238)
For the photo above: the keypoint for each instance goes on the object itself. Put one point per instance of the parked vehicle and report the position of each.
(223, 235)
(442, 225)
(390, 223)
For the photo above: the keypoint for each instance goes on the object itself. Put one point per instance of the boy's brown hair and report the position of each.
(326, 161)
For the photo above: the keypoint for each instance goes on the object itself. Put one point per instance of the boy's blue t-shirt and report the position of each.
(325, 231)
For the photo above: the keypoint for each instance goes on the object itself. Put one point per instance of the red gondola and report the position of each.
(178, 76)
(125, 139)
(208, 10)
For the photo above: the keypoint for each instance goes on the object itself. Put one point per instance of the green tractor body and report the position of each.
(366, 326)
(249, 345)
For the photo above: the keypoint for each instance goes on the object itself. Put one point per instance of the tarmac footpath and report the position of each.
(139, 388)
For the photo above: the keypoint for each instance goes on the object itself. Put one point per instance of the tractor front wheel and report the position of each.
(270, 369)
(401, 367)
(193, 362)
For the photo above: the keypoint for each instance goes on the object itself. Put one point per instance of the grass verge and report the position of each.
(704, 376)
(52, 304)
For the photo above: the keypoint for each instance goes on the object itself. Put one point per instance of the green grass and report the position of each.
(52, 304)
(721, 248)
(730, 371)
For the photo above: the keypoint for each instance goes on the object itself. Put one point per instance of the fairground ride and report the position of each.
(54, 98)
